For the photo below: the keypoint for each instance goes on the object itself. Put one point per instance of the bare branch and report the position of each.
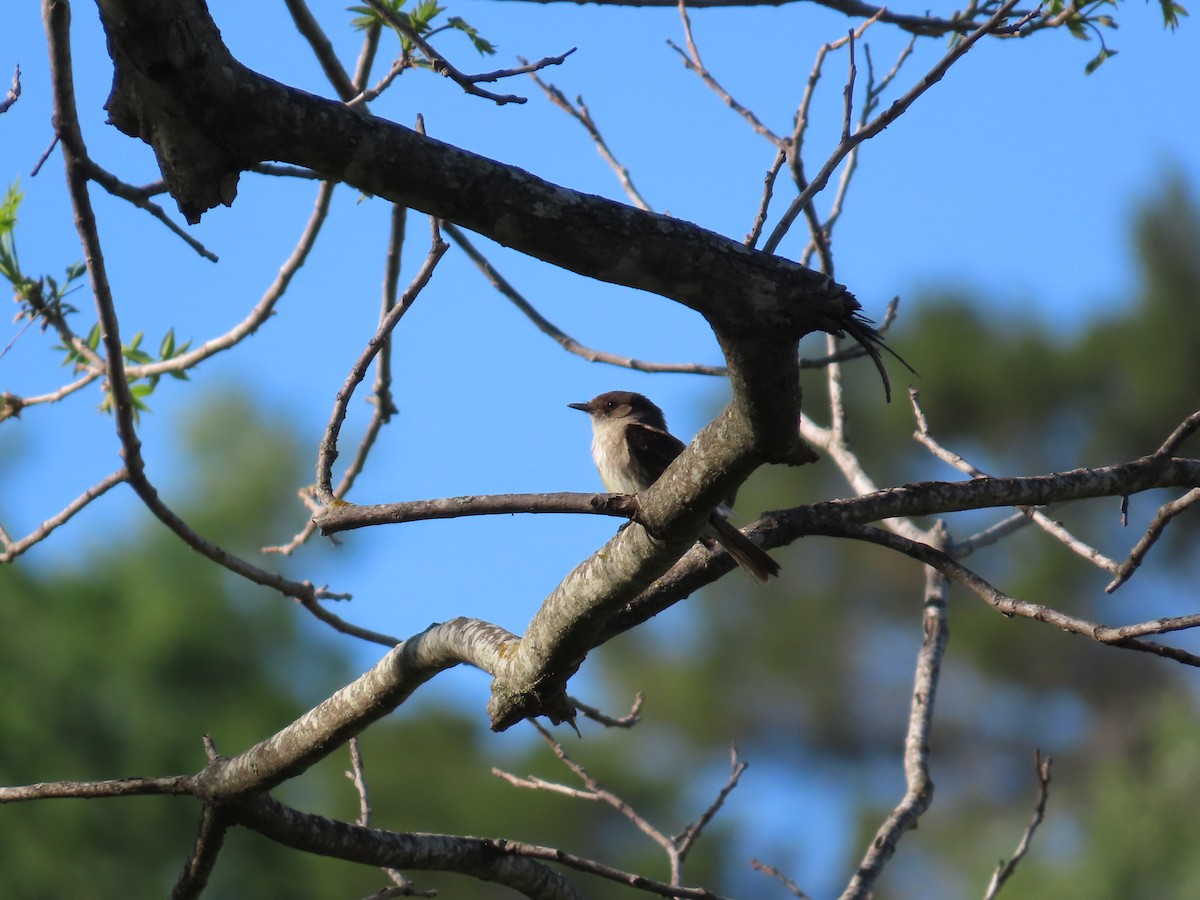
(921, 25)
(1182, 432)
(687, 838)
(918, 794)
(139, 198)
(174, 785)
(385, 406)
(1158, 525)
(780, 877)
(13, 92)
(352, 709)
(760, 218)
(365, 96)
(1055, 529)
(13, 549)
(563, 339)
(262, 310)
(691, 59)
(1126, 636)
(583, 117)
(517, 866)
(210, 837)
(675, 848)
(328, 449)
(1005, 870)
(627, 721)
(346, 517)
(880, 122)
(322, 48)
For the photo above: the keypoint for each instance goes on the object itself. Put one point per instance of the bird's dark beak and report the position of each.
(582, 407)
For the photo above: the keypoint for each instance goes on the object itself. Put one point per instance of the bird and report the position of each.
(632, 447)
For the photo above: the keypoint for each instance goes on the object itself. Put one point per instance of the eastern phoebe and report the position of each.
(632, 448)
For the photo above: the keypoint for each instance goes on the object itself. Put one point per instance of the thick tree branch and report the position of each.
(208, 118)
(488, 860)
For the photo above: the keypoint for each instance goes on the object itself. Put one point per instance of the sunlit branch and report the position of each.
(880, 122)
(1055, 529)
(384, 405)
(13, 92)
(13, 549)
(579, 112)
(347, 516)
(262, 310)
(328, 448)
(918, 794)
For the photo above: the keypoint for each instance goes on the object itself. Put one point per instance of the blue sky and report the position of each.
(1015, 176)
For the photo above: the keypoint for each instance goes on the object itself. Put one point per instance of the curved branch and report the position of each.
(215, 118)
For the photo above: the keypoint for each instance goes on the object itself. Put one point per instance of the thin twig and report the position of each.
(328, 447)
(918, 794)
(1005, 870)
(579, 112)
(322, 47)
(138, 197)
(692, 61)
(563, 339)
(686, 839)
(385, 406)
(1126, 636)
(13, 549)
(1182, 432)
(1157, 526)
(626, 721)
(13, 92)
(1053, 528)
(262, 310)
(760, 219)
(882, 121)
(780, 877)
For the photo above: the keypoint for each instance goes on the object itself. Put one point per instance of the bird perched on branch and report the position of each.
(632, 448)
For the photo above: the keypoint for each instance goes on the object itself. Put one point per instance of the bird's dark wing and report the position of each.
(651, 450)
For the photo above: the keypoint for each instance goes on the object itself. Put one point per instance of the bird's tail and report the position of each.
(745, 552)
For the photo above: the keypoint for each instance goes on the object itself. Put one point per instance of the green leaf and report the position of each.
(167, 348)
(367, 16)
(93, 338)
(1171, 11)
(1095, 62)
(8, 207)
(483, 45)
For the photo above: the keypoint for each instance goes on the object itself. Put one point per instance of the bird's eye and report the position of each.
(611, 404)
